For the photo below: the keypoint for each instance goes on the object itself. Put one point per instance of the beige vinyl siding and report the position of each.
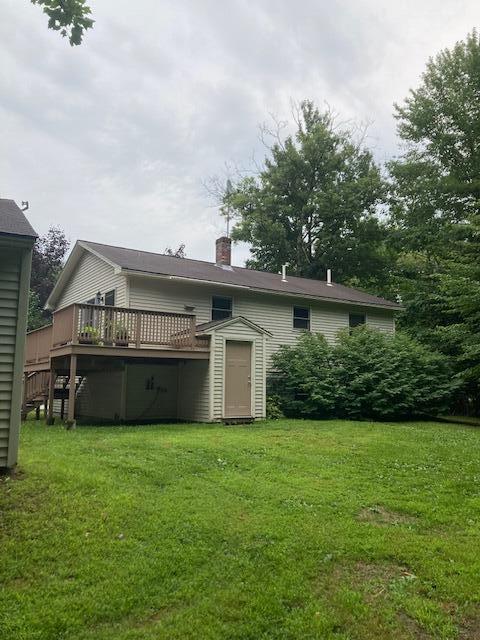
(163, 295)
(194, 391)
(91, 276)
(381, 320)
(10, 267)
(275, 314)
(217, 356)
(238, 331)
(271, 312)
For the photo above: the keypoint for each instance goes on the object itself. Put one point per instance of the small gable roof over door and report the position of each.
(208, 327)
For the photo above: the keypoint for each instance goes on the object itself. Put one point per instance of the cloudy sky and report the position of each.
(113, 139)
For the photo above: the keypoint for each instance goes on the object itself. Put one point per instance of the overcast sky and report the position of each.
(111, 140)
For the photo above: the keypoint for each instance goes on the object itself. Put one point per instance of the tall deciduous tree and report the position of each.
(438, 178)
(70, 17)
(436, 206)
(47, 261)
(313, 205)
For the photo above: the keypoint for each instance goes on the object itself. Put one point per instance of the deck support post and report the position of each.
(72, 387)
(51, 394)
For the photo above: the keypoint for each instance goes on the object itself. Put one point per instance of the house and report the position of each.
(140, 336)
(16, 242)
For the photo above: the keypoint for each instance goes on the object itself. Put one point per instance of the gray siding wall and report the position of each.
(117, 394)
(100, 396)
(92, 275)
(10, 267)
(194, 390)
(147, 404)
(15, 265)
(181, 390)
(238, 331)
(273, 313)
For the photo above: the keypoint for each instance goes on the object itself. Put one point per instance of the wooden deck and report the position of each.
(98, 330)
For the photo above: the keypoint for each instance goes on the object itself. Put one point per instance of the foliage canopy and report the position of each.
(70, 17)
(313, 205)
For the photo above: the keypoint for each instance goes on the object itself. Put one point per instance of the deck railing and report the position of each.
(101, 325)
(38, 345)
(36, 386)
(63, 326)
(122, 327)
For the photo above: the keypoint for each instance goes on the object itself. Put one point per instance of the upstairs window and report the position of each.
(221, 308)
(301, 318)
(109, 298)
(356, 320)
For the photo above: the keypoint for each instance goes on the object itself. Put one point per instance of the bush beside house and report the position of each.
(365, 374)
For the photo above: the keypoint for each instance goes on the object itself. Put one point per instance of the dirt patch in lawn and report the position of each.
(372, 579)
(382, 516)
(379, 574)
(469, 625)
(376, 582)
(411, 626)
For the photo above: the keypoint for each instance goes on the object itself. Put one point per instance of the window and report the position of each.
(109, 298)
(96, 300)
(221, 308)
(355, 320)
(301, 318)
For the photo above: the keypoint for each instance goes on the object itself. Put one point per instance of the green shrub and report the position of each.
(380, 375)
(274, 411)
(366, 374)
(303, 378)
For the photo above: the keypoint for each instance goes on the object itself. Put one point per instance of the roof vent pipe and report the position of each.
(329, 277)
(284, 273)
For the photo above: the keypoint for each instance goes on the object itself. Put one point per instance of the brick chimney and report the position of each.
(223, 248)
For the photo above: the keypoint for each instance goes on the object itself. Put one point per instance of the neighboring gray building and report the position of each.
(16, 243)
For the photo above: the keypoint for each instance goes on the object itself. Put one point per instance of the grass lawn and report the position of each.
(289, 529)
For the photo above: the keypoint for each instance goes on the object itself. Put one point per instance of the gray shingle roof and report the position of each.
(159, 264)
(13, 221)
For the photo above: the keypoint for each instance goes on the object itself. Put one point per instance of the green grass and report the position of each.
(293, 529)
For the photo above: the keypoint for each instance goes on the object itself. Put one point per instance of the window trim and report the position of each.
(214, 295)
(309, 309)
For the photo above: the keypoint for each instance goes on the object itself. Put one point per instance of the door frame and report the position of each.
(253, 382)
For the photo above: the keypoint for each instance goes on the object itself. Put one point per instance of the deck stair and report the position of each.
(62, 390)
(35, 393)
